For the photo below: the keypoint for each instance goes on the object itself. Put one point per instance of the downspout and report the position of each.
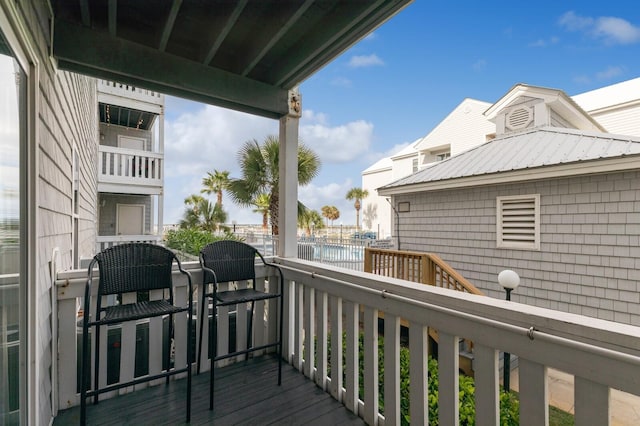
(53, 269)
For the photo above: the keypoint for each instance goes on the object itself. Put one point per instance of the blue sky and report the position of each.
(397, 84)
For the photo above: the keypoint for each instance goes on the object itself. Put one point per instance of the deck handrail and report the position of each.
(323, 303)
(425, 268)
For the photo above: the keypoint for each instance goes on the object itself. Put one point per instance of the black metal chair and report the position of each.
(231, 261)
(132, 268)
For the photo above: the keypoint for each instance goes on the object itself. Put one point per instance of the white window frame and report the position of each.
(501, 203)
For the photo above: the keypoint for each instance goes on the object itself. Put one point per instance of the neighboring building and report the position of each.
(464, 128)
(130, 164)
(553, 197)
(615, 107)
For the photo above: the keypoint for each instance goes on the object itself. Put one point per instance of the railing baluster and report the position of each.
(127, 347)
(222, 329)
(592, 402)
(336, 347)
(180, 338)
(418, 369)
(67, 353)
(288, 316)
(242, 324)
(391, 369)
(309, 331)
(321, 358)
(155, 340)
(350, 399)
(370, 347)
(534, 399)
(297, 329)
(487, 386)
(448, 360)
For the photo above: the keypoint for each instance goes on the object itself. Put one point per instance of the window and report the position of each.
(13, 333)
(414, 165)
(443, 156)
(518, 222)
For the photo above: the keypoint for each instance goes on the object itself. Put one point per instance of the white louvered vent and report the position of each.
(519, 118)
(518, 222)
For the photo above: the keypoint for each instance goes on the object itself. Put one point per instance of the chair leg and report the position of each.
(189, 325)
(203, 318)
(97, 363)
(250, 331)
(169, 338)
(213, 350)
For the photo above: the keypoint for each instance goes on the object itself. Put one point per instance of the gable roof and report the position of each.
(536, 154)
(609, 96)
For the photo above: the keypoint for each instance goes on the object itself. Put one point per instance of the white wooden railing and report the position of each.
(129, 91)
(323, 302)
(129, 166)
(106, 241)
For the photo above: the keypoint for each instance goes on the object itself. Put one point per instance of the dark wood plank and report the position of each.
(245, 393)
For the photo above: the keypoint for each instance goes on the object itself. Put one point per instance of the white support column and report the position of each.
(288, 169)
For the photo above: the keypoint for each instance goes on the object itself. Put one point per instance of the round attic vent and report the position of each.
(519, 118)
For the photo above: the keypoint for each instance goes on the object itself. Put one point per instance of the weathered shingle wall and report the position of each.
(589, 262)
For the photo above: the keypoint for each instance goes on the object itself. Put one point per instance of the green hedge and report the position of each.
(191, 240)
(509, 404)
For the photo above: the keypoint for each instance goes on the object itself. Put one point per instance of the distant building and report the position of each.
(555, 197)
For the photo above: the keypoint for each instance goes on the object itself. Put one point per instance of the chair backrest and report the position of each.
(230, 260)
(134, 267)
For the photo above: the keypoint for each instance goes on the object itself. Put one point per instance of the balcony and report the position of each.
(323, 303)
(129, 171)
(126, 95)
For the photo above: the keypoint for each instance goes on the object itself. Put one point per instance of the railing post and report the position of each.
(368, 264)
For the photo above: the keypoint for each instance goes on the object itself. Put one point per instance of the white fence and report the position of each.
(323, 302)
(129, 166)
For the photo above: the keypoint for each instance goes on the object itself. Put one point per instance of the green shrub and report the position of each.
(509, 404)
(191, 240)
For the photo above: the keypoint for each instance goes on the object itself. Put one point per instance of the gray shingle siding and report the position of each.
(590, 235)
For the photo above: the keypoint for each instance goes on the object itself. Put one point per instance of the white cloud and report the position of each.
(207, 138)
(609, 73)
(339, 144)
(333, 194)
(544, 43)
(610, 29)
(341, 82)
(365, 61)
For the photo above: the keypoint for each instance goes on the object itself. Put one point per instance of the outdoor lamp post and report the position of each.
(509, 280)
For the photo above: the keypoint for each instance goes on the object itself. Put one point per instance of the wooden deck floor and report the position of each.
(246, 393)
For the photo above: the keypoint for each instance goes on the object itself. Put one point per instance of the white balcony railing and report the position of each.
(106, 241)
(130, 167)
(130, 92)
(323, 302)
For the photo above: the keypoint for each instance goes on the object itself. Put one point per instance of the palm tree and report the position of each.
(260, 174)
(309, 220)
(200, 213)
(262, 206)
(331, 213)
(357, 194)
(215, 183)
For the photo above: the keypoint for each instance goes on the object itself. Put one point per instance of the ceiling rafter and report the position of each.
(89, 52)
(283, 30)
(233, 18)
(313, 55)
(113, 17)
(168, 26)
(85, 13)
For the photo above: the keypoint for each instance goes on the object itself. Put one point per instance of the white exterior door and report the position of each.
(130, 219)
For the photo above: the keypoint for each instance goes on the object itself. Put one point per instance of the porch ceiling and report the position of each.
(243, 55)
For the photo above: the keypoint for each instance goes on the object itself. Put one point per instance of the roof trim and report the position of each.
(591, 167)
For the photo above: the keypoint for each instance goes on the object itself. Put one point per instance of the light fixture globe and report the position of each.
(508, 279)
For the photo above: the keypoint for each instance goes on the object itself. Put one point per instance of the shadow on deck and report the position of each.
(246, 393)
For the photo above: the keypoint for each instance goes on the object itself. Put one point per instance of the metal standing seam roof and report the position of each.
(526, 150)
